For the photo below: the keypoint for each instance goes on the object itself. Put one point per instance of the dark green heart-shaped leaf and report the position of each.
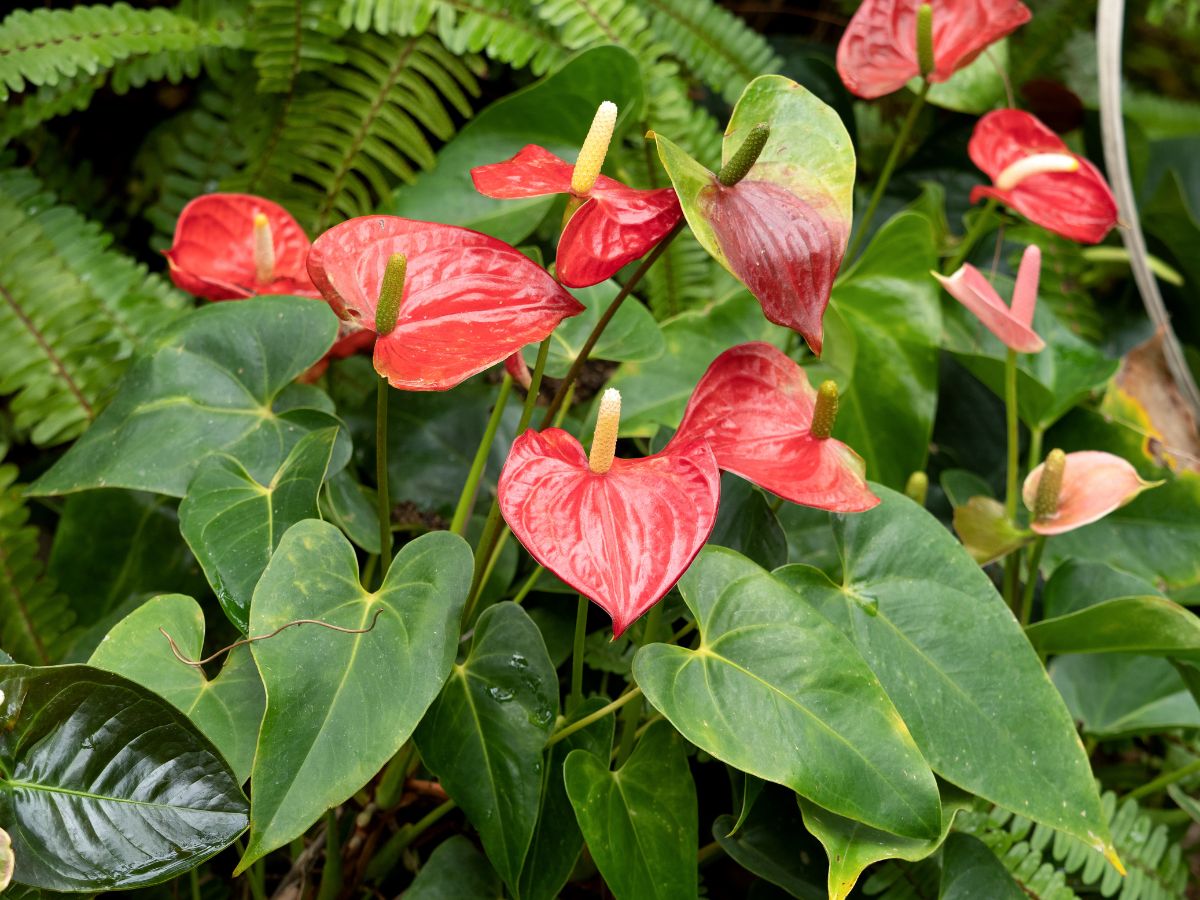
(746, 523)
(970, 870)
(766, 656)
(554, 112)
(1151, 626)
(773, 844)
(640, 822)
(340, 705)
(216, 380)
(1122, 694)
(228, 709)
(484, 735)
(351, 507)
(852, 846)
(931, 625)
(104, 785)
(1076, 585)
(455, 871)
(976, 88)
(233, 522)
(631, 336)
(881, 337)
(556, 839)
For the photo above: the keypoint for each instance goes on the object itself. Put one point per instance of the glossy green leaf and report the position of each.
(227, 709)
(931, 625)
(746, 523)
(233, 522)
(810, 537)
(484, 735)
(1049, 383)
(1076, 585)
(976, 88)
(656, 392)
(455, 871)
(554, 112)
(1151, 626)
(881, 336)
(340, 705)
(110, 546)
(149, 799)
(970, 870)
(631, 336)
(557, 839)
(351, 507)
(640, 822)
(773, 844)
(852, 846)
(1119, 694)
(822, 176)
(767, 656)
(216, 380)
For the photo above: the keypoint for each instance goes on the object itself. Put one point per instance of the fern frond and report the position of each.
(34, 617)
(1157, 869)
(712, 42)
(345, 143)
(44, 47)
(26, 112)
(291, 37)
(900, 880)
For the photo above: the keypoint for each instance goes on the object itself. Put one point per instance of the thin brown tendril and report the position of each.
(198, 663)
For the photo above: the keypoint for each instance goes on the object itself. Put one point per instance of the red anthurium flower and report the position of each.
(612, 224)
(1070, 490)
(878, 52)
(755, 408)
(1033, 172)
(620, 531)
(1011, 326)
(469, 300)
(231, 246)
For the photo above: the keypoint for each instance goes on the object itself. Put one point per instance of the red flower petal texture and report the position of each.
(622, 539)
(1093, 485)
(614, 226)
(1012, 326)
(1078, 205)
(878, 51)
(754, 407)
(212, 255)
(469, 300)
(782, 248)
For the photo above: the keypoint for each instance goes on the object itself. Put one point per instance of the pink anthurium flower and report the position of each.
(619, 531)
(469, 301)
(1034, 173)
(610, 225)
(878, 51)
(1011, 326)
(1070, 490)
(758, 413)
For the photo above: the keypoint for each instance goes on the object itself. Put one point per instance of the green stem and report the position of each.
(1012, 562)
(581, 613)
(889, 166)
(652, 622)
(630, 717)
(1031, 578)
(331, 872)
(258, 881)
(683, 632)
(384, 502)
(389, 854)
(588, 345)
(1162, 781)
(977, 230)
(521, 594)
(194, 883)
(578, 725)
(395, 773)
(1034, 456)
(466, 500)
(708, 852)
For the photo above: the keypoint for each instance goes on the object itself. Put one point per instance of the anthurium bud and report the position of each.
(595, 148)
(604, 442)
(391, 291)
(264, 250)
(925, 60)
(1049, 485)
(825, 410)
(917, 488)
(745, 156)
(1037, 164)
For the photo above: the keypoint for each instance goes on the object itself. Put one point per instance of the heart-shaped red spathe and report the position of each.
(469, 300)
(212, 255)
(622, 539)
(754, 407)
(1013, 326)
(878, 51)
(1078, 205)
(614, 225)
(1094, 484)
